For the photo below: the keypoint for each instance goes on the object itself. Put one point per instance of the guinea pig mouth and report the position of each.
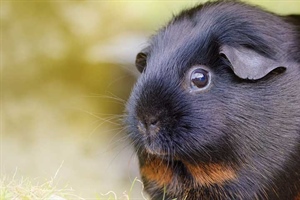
(156, 152)
(153, 148)
(158, 146)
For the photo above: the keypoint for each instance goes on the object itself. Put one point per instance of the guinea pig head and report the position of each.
(211, 90)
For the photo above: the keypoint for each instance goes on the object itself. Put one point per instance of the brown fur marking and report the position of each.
(298, 196)
(211, 173)
(158, 171)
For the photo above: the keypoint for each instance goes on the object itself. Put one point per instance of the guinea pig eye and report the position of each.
(140, 61)
(199, 79)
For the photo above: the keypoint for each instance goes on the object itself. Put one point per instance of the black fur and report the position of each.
(251, 125)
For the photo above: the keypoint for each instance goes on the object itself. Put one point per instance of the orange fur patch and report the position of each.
(211, 173)
(158, 171)
(298, 196)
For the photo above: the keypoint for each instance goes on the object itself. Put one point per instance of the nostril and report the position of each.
(153, 129)
(142, 127)
(149, 126)
(152, 121)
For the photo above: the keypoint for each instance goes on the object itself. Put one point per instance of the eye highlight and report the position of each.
(199, 79)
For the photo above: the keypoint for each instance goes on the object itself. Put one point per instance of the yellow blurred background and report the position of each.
(67, 68)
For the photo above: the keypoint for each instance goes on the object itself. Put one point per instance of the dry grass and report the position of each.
(25, 189)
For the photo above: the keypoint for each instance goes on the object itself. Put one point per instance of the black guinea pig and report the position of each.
(215, 113)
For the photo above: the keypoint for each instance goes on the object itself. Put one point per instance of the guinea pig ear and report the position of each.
(141, 61)
(248, 64)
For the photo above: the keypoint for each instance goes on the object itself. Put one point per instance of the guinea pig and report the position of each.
(215, 113)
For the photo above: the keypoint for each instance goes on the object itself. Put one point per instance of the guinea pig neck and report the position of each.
(174, 175)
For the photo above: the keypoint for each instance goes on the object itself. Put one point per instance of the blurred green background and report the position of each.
(67, 68)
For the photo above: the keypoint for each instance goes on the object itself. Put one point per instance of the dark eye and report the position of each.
(199, 79)
(140, 61)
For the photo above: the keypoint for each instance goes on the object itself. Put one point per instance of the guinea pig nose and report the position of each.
(149, 126)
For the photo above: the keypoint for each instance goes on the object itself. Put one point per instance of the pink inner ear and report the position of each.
(247, 64)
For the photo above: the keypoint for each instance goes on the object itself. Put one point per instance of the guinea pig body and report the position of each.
(215, 113)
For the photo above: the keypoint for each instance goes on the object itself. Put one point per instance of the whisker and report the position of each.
(113, 97)
(105, 117)
(117, 154)
(132, 70)
(114, 143)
